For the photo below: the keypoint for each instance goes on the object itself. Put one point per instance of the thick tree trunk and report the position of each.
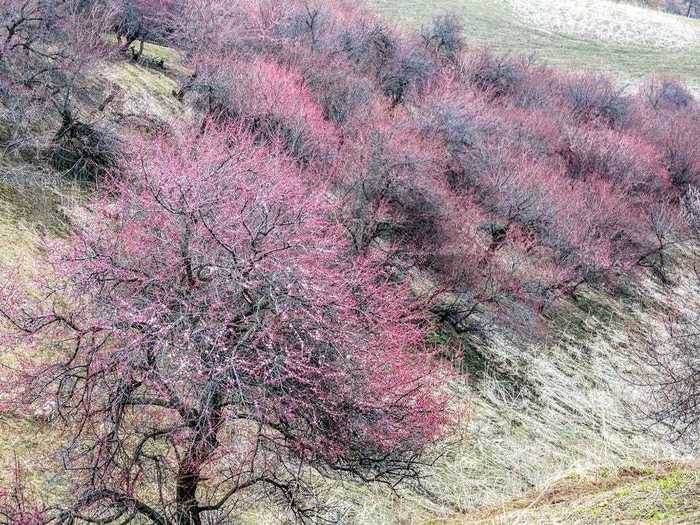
(204, 443)
(186, 496)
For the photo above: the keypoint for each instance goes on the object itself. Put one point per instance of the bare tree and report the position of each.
(673, 379)
(689, 8)
(672, 362)
(46, 52)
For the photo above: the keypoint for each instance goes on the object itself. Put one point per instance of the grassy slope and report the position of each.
(573, 43)
(666, 493)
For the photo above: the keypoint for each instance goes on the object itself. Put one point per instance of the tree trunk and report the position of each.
(186, 495)
(204, 442)
(127, 43)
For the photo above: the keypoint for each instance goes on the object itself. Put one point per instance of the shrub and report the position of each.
(84, 152)
(390, 198)
(410, 71)
(538, 89)
(453, 120)
(267, 99)
(444, 37)
(369, 46)
(681, 157)
(496, 75)
(667, 94)
(595, 99)
(339, 92)
(627, 162)
(673, 136)
(671, 376)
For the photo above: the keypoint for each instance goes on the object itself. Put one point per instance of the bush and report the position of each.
(682, 158)
(83, 152)
(267, 99)
(496, 75)
(369, 46)
(410, 71)
(444, 37)
(594, 99)
(626, 162)
(667, 94)
(673, 136)
(451, 121)
(538, 89)
(338, 92)
(390, 196)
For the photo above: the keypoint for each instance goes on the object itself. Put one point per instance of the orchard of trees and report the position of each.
(247, 304)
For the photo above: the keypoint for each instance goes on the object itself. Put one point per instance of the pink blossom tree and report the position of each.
(209, 335)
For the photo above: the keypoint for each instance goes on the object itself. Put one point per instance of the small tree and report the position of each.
(673, 379)
(45, 45)
(209, 334)
(671, 361)
(444, 36)
(141, 20)
(46, 52)
(689, 8)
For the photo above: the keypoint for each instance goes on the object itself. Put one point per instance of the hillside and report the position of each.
(625, 40)
(552, 425)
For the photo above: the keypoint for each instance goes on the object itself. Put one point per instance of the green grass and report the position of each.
(145, 91)
(666, 495)
(494, 24)
(172, 58)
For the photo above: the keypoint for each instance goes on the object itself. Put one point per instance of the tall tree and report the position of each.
(207, 333)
